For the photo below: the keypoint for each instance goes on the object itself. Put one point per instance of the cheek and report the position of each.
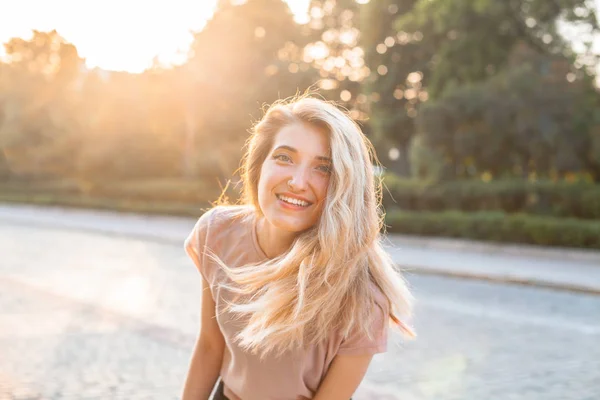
(267, 181)
(262, 187)
(321, 188)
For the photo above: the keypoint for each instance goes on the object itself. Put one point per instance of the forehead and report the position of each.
(304, 138)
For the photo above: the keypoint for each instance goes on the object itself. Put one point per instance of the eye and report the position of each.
(282, 157)
(324, 168)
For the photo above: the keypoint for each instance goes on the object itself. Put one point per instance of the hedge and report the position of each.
(180, 191)
(187, 198)
(581, 200)
(96, 203)
(498, 227)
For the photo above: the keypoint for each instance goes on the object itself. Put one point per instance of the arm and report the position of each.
(207, 357)
(344, 375)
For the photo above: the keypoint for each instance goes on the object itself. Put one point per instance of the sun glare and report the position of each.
(121, 35)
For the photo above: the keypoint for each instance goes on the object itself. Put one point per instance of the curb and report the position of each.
(495, 248)
(502, 279)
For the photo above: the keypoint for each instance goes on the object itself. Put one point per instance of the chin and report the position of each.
(293, 226)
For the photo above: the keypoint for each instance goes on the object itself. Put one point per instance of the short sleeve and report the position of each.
(196, 241)
(358, 343)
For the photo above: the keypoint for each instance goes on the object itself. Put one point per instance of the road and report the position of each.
(93, 315)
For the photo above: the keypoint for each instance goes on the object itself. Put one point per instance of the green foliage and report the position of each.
(175, 191)
(393, 93)
(427, 163)
(335, 29)
(161, 191)
(141, 207)
(450, 44)
(470, 40)
(38, 124)
(461, 88)
(560, 199)
(526, 119)
(498, 227)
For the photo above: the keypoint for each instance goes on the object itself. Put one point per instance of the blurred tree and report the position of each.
(532, 118)
(38, 89)
(426, 161)
(335, 52)
(380, 58)
(470, 40)
(395, 86)
(418, 48)
(5, 171)
(351, 52)
(133, 126)
(246, 55)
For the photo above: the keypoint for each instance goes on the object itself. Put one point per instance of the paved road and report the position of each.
(557, 268)
(85, 315)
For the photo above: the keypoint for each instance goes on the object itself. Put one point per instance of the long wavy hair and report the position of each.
(325, 280)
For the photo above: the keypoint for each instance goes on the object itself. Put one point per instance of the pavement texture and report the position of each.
(87, 312)
(568, 269)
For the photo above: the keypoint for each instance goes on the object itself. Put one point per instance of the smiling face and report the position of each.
(294, 178)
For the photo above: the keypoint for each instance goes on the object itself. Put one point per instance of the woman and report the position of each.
(297, 289)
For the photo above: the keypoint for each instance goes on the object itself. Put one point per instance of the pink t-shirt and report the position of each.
(230, 232)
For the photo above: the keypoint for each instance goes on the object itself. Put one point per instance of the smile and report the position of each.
(296, 202)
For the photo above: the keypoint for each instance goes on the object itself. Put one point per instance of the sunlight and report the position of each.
(120, 35)
(131, 295)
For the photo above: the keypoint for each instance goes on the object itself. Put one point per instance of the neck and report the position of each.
(272, 240)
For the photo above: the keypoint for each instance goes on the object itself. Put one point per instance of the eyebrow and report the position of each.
(293, 150)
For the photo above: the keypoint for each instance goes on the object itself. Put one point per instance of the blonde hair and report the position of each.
(324, 282)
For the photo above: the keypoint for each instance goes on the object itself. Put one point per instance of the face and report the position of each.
(294, 178)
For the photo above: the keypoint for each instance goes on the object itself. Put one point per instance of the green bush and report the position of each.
(142, 207)
(176, 191)
(57, 186)
(498, 227)
(157, 190)
(562, 199)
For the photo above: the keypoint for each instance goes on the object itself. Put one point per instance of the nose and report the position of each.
(298, 182)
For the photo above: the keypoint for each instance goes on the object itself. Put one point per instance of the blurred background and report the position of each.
(489, 109)
(485, 115)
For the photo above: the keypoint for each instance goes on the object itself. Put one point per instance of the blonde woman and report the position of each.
(297, 289)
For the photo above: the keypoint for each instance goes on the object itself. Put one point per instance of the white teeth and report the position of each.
(293, 201)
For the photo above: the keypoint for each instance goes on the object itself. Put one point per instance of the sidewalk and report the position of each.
(567, 269)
